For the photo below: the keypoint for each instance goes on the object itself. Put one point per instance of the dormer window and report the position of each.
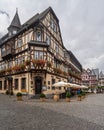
(38, 36)
(14, 31)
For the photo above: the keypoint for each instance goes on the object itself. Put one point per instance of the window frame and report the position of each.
(23, 84)
(38, 37)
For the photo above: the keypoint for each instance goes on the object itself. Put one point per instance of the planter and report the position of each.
(67, 99)
(19, 98)
(56, 97)
(79, 98)
(42, 99)
(83, 97)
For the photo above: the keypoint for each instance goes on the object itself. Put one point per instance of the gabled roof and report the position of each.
(74, 60)
(96, 71)
(101, 75)
(93, 73)
(16, 22)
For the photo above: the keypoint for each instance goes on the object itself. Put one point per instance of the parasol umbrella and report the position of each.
(83, 86)
(74, 85)
(60, 84)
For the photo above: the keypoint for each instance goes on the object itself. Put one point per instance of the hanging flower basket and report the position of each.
(9, 70)
(39, 63)
(16, 68)
(22, 67)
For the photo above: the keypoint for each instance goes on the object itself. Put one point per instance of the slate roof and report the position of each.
(74, 60)
(96, 71)
(16, 21)
(101, 75)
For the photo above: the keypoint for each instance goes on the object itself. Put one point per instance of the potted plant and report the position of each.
(56, 97)
(68, 95)
(79, 97)
(83, 95)
(7, 92)
(42, 97)
(19, 96)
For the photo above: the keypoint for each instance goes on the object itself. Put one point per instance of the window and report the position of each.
(14, 31)
(10, 64)
(53, 81)
(19, 42)
(0, 85)
(38, 36)
(16, 84)
(16, 62)
(53, 25)
(3, 49)
(53, 88)
(5, 85)
(48, 40)
(48, 82)
(38, 55)
(23, 83)
(48, 87)
(21, 60)
(57, 48)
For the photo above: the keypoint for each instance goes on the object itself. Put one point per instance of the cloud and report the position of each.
(81, 23)
(3, 12)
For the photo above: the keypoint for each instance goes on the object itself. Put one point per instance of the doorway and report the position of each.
(38, 85)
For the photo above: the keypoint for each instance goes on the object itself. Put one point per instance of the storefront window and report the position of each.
(0, 85)
(23, 83)
(16, 84)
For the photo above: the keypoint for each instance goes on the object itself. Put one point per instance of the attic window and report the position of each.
(53, 25)
(38, 36)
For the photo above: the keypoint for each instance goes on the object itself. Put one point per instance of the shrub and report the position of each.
(83, 93)
(7, 92)
(68, 94)
(19, 94)
(42, 95)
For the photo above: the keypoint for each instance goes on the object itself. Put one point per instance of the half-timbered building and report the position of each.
(33, 56)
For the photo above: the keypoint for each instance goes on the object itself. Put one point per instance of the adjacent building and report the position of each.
(33, 56)
(90, 77)
(101, 79)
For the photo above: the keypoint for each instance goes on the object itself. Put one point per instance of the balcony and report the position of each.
(8, 53)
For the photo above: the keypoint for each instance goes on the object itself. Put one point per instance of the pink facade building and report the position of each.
(90, 77)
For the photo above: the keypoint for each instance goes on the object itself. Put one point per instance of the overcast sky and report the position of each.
(81, 23)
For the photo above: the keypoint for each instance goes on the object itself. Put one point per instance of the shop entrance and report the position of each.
(38, 85)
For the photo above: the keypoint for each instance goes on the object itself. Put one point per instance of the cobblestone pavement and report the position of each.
(35, 115)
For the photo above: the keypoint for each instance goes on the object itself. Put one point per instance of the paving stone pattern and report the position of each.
(49, 115)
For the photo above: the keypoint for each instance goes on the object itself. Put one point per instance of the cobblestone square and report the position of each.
(35, 115)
